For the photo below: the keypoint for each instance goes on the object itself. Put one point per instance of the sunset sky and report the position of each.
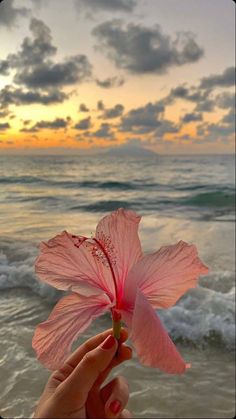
(89, 74)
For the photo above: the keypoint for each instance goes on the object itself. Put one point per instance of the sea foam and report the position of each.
(205, 315)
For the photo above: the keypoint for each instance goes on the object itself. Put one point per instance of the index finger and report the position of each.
(74, 359)
(91, 344)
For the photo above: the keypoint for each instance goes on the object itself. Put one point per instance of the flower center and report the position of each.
(110, 263)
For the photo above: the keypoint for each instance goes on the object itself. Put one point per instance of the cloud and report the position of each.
(140, 49)
(4, 113)
(179, 92)
(9, 14)
(74, 70)
(229, 118)
(110, 82)
(106, 5)
(191, 117)
(202, 97)
(34, 67)
(83, 124)
(114, 112)
(36, 50)
(4, 67)
(143, 119)
(165, 126)
(56, 124)
(11, 96)
(100, 105)
(225, 79)
(104, 132)
(83, 108)
(4, 126)
(223, 130)
(226, 100)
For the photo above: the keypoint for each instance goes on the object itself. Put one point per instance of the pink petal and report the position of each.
(69, 263)
(118, 234)
(152, 343)
(71, 316)
(166, 275)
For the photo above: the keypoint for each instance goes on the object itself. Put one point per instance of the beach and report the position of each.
(188, 198)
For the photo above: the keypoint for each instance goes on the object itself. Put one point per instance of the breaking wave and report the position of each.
(205, 315)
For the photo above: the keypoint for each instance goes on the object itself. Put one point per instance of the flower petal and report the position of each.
(69, 263)
(118, 234)
(152, 342)
(71, 316)
(164, 276)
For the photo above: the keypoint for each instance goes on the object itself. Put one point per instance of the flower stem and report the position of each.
(116, 323)
(116, 328)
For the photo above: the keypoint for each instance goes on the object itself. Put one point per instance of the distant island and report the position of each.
(128, 150)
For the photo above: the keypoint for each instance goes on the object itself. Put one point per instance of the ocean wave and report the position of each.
(102, 206)
(217, 199)
(205, 315)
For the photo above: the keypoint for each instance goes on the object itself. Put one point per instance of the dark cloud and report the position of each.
(110, 82)
(29, 130)
(201, 97)
(165, 126)
(83, 108)
(35, 68)
(11, 96)
(229, 118)
(4, 67)
(27, 122)
(4, 113)
(226, 100)
(106, 5)
(74, 70)
(180, 92)
(36, 50)
(9, 14)
(205, 105)
(83, 124)
(114, 112)
(104, 132)
(140, 49)
(223, 130)
(100, 105)
(219, 131)
(192, 117)
(225, 79)
(4, 126)
(56, 124)
(143, 119)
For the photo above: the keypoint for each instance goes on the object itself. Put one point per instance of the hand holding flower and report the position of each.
(74, 390)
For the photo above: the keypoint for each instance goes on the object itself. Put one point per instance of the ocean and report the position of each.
(189, 198)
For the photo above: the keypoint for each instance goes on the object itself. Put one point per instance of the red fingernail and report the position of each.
(109, 342)
(115, 406)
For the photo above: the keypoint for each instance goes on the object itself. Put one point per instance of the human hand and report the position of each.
(74, 391)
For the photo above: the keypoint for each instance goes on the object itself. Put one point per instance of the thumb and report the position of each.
(92, 364)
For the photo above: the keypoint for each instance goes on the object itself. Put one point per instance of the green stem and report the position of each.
(116, 328)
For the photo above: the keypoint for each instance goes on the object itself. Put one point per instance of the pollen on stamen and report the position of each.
(77, 240)
(109, 248)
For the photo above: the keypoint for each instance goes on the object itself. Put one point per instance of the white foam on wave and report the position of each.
(206, 310)
(203, 315)
(16, 273)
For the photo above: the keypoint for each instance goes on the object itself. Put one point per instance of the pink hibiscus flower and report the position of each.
(110, 273)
